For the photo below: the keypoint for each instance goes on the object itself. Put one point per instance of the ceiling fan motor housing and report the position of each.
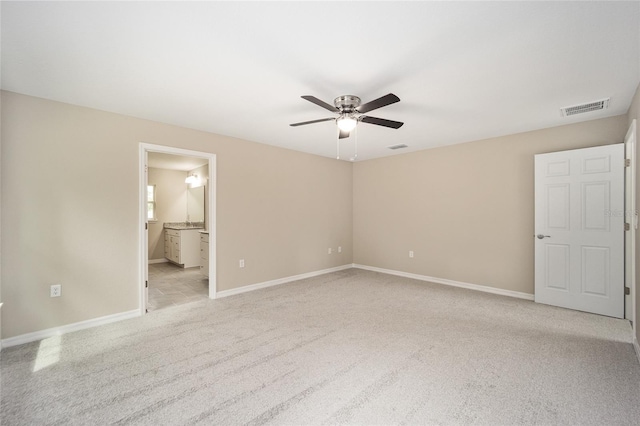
(347, 103)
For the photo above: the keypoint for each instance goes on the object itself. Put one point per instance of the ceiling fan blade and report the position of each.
(318, 102)
(344, 134)
(378, 103)
(381, 122)
(302, 123)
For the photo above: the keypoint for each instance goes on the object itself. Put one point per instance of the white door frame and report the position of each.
(211, 218)
(631, 217)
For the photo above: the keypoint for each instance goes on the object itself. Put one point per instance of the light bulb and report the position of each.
(347, 124)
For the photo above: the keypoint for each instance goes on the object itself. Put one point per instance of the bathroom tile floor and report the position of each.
(171, 285)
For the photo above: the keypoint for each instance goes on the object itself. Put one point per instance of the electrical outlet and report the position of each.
(242, 263)
(329, 251)
(411, 253)
(339, 249)
(56, 290)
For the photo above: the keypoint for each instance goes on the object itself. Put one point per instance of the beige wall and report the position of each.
(465, 210)
(171, 205)
(73, 219)
(634, 114)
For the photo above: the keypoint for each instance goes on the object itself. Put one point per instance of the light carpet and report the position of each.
(350, 347)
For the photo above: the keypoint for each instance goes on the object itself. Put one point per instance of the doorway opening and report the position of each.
(177, 226)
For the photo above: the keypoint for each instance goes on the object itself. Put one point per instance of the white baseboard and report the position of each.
(152, 261)
(636, 346)
(477, 287)
(56, 331)
(258, 286)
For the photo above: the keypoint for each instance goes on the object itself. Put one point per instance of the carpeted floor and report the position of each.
(351, 347)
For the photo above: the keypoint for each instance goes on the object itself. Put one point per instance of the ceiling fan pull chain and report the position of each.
(338, 144)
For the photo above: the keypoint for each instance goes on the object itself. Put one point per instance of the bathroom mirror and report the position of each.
(195, 204)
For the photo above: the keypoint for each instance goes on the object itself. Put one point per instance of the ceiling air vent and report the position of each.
(399, 146)
(588, 107)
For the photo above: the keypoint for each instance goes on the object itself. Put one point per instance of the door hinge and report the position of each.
(146, 284)
(627, 290)
(627, 227)
(146, 226)
(627, 162)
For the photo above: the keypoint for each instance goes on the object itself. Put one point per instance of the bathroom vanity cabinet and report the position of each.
(182, 247)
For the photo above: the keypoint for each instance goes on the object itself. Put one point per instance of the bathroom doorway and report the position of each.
(177, 239)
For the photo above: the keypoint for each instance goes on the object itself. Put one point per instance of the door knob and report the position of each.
(540, 236)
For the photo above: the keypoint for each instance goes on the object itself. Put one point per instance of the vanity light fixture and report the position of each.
(191, 179)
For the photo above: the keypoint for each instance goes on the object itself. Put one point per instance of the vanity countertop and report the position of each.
(181, 226)
(204, 232)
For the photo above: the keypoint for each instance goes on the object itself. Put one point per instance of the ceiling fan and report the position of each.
(350, 111)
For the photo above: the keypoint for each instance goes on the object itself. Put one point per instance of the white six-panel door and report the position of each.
(579, 229)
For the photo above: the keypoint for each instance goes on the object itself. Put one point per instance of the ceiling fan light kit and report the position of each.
(347, 123)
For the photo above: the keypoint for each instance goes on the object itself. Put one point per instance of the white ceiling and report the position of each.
(160, 160)
(464, 71)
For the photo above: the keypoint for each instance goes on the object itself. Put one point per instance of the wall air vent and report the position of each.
(399, 146)
(588, 107)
